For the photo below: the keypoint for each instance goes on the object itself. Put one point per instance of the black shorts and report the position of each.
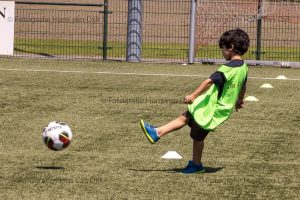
(197, 132)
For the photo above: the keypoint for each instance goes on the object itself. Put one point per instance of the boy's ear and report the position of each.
(232, 47)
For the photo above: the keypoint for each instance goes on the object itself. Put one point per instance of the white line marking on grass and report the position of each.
(108, 73)
(135, 74)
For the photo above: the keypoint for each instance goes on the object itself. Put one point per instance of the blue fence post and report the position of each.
(134, 31)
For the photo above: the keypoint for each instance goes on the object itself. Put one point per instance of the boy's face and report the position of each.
(227, 53)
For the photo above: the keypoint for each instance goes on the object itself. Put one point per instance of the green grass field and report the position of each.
(254, 155)
(94, 48)
(69, 48)
(53, 48)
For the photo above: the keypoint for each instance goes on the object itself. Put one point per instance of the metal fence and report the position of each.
(80, 31)
(60, 30)
(165, 30)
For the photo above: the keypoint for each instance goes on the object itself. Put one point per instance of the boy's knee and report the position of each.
(185, 117)
(197, 132)
(198, 136)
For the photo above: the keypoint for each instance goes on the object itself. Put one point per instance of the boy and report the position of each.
(213, 101)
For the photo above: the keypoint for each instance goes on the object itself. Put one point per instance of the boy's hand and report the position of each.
(239, 104)
(204, 86)
(189, 99)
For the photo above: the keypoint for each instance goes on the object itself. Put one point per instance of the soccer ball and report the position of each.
(57, 136)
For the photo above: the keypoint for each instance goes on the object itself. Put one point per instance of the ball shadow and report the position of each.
(50, 167)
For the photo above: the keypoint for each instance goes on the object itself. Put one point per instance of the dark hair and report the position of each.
(237, 38)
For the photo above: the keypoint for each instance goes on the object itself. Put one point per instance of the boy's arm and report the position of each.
(205, 85)
(240, 102)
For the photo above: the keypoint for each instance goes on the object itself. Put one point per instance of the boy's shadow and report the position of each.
(50, 168)
(208, 170)
(212, 170)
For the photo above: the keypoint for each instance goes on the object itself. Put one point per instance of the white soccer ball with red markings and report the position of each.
(57, 136)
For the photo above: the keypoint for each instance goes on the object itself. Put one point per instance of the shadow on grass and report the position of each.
(208, 170)
(50, 168)
(32, 52)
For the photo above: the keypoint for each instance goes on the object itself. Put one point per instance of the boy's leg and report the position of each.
(198, 135)
(195, 165)
(153, 134)
(198, 147)
(176, 124)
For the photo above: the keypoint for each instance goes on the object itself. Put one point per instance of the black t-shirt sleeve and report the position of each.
(218, 78)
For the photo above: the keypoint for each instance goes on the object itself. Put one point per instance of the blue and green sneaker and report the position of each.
(149, 131)
(193, 168)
